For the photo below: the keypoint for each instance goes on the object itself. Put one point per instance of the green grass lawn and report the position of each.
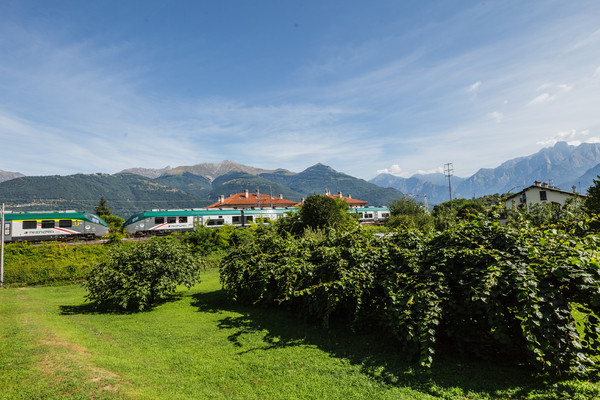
(200, 345)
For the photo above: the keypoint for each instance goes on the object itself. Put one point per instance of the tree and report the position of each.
(592, 202)
(136, 276)
(320, 211)
(102, 209)
(408, 214)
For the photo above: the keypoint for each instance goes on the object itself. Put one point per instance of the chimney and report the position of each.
(280, 197)
(538, 183)
(574, 189)
(349, 196)
(246, 193)
(327, 193)
(545, 185)
(340, 195)
(222, 199)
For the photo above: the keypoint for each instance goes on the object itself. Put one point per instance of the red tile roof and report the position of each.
(249, 200)
(349, 200)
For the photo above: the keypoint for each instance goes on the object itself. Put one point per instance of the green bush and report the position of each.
(49, 263)
(138, 275)
(485, 289)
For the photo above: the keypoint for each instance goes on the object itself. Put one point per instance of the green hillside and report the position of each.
(319, 178)
(187, 182)
(128, 193)
(125, 193)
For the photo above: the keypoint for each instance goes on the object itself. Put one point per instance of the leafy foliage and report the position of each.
(136, 276)
(49, 263)
(490, 290)
(592, 202)
(407, 213)
(320, 211)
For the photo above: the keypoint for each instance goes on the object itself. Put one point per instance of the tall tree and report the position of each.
(102, 208)
(592, 202)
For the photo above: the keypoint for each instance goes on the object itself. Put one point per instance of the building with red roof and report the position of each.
(247, 200)
(354, 203)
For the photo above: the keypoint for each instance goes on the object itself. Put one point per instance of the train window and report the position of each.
(7, 228)
(159, 220)
(235, 219)
(367, 215)
(182, 220)
(385, 215)
(215, 222)
(29, 224)
(94, 219)
(65, 223)
(47, 224)
(171, 220)
(249, 218)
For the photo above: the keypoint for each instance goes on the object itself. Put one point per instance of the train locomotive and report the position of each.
(52, 225)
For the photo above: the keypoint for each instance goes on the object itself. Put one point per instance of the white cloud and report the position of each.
(474, 87)
(552, 92)
(497, 116)
(395, 170)
(542, 98)
(572, 137)
(438, 170)
(596, 73)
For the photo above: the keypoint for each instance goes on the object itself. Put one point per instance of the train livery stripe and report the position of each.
(66, 230)
(158, 226)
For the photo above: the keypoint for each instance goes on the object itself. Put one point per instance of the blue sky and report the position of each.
(364, 87)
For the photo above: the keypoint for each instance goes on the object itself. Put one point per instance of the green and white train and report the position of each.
(161, 222)
(52, 225)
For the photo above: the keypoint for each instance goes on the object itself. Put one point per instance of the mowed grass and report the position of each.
(200, 345)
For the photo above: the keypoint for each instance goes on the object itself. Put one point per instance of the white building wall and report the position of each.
(532, 196)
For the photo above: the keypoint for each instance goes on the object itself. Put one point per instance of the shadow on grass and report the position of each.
(376, 354)
(108, 308)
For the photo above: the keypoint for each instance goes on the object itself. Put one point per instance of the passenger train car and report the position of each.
(52, 225)
(160, 222)
(372, 215)
(164, 221)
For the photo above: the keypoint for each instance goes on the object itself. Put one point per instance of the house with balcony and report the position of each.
(541, 193)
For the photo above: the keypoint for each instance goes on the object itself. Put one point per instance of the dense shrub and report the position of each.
(480, 287)
(49, 263)
(138, 275)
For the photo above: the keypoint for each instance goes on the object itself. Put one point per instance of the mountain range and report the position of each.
(196, 186)
(199, 185)
(562, 166)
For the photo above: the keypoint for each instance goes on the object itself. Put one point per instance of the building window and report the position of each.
(29, 224)
(543, 195)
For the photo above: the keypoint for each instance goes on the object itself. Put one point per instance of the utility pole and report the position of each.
(2, 248)
(448, 172)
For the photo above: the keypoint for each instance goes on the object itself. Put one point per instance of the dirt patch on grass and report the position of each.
(69, 368)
